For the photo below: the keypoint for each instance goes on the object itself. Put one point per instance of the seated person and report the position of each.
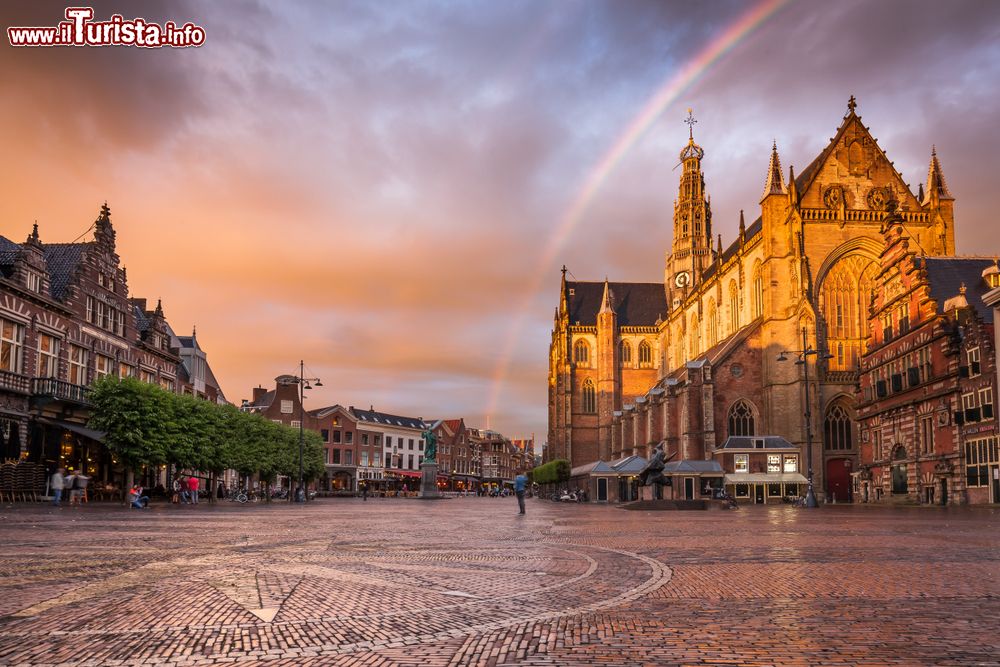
(135, 497)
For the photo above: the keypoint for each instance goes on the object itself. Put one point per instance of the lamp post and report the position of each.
(803, 356)
(303, 382)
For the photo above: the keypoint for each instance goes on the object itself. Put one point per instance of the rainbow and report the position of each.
(666, 94)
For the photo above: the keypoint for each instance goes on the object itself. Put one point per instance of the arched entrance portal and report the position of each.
(838, 480)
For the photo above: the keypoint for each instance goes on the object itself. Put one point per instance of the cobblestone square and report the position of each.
(469, 582)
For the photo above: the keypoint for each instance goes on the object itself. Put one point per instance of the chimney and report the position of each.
(258, 393)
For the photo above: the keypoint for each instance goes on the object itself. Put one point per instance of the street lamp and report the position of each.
(803, 356)
(303, 382)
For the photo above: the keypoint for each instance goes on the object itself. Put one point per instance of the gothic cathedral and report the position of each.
(691, 361)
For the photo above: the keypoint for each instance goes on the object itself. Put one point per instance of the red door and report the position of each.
(838, 480)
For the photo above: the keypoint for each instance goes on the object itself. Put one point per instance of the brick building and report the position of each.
(928, 382)
(716, 325)
(338, 428)
(66, 319)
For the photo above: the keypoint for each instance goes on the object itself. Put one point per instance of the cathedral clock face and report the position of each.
(682, 279)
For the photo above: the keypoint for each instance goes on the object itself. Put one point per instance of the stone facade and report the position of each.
(795, 277)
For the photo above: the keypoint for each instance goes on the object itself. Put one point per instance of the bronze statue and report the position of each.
(430, 444)
(652, 473)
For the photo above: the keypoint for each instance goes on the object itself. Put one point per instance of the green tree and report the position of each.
(131, 413)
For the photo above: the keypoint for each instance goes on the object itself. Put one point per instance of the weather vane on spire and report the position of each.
(690, 123)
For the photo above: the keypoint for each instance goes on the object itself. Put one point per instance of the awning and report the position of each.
(401, 473)
(765, 478)
(75, 428)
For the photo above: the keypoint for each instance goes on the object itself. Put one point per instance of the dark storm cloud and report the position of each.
(373, 184)
(111, 98)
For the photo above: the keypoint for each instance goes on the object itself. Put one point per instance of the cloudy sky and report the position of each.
(383, 188)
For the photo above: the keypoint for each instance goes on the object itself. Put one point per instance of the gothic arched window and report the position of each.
(844, 296)
(837, 428)
(626, 353)
(695, 338)
(758, 292)
(581, 353)
(645, 355)
(741, 420)
(734, 307)
(713, 324)
(589, 397)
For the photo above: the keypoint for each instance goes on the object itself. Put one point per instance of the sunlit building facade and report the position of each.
(798, 277)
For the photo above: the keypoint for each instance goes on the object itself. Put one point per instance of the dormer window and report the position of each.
(34, 282)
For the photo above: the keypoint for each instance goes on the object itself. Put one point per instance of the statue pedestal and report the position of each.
(428, 480)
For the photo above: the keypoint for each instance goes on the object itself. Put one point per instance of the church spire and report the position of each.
(775, 184)
(937, 188)
(691, 248)
(607, 301)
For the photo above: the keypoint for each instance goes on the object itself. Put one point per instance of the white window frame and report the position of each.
(48, 360)
(102, 366)
(77, 367)
(12, 345)
(741, 462)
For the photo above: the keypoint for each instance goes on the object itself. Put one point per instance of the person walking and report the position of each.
(520, 482)
(193, 485)
(175, 490)
(78, 488)
(364, 492)
(56, 486)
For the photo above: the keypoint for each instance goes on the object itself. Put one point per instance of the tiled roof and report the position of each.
(187, 341)
(636, 304)
(734, 247)
(947, 274)
(63, 260)
(141, 321)
(693, 466)
(264, 402)
(385, 419)
(8, 253)
(211, 380)
(747, 442)
(629, 465)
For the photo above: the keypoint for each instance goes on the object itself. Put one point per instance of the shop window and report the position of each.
(742, 490)
(791, 463)
(774, 463)
(741, 462)
(773, 490)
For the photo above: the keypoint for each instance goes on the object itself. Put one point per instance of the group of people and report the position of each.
(185, 490)
(76, 483)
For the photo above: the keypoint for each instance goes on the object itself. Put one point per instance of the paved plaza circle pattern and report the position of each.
(468, 582)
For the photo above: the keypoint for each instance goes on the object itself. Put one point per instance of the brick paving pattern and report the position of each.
(468, 582)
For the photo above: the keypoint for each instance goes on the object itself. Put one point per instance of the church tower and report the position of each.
(691, 250)
(608, 381)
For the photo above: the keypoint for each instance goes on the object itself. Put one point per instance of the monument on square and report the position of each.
(428, 466)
